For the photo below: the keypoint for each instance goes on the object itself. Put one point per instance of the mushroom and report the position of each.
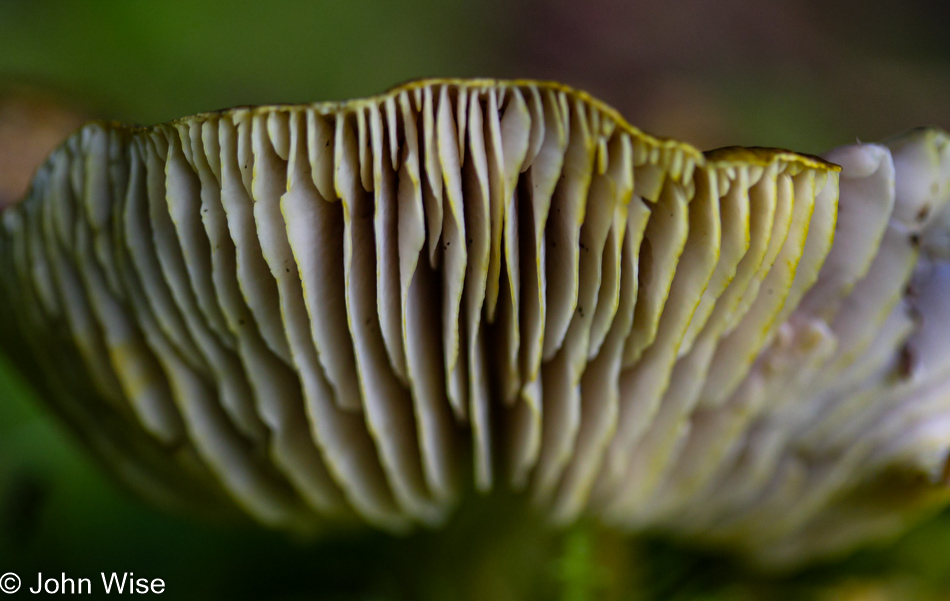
(348, 311)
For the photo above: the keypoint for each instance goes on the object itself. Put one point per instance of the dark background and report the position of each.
(806, 75)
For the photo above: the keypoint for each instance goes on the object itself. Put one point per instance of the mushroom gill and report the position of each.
(347, 310)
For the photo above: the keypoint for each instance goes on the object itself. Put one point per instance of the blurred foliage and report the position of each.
(152, 62)
(807, 75)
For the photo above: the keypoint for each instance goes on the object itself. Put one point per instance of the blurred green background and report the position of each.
(806, 75)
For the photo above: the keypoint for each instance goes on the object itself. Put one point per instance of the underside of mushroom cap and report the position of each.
(341, 311)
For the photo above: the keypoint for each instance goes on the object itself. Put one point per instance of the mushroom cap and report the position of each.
(348, 311)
